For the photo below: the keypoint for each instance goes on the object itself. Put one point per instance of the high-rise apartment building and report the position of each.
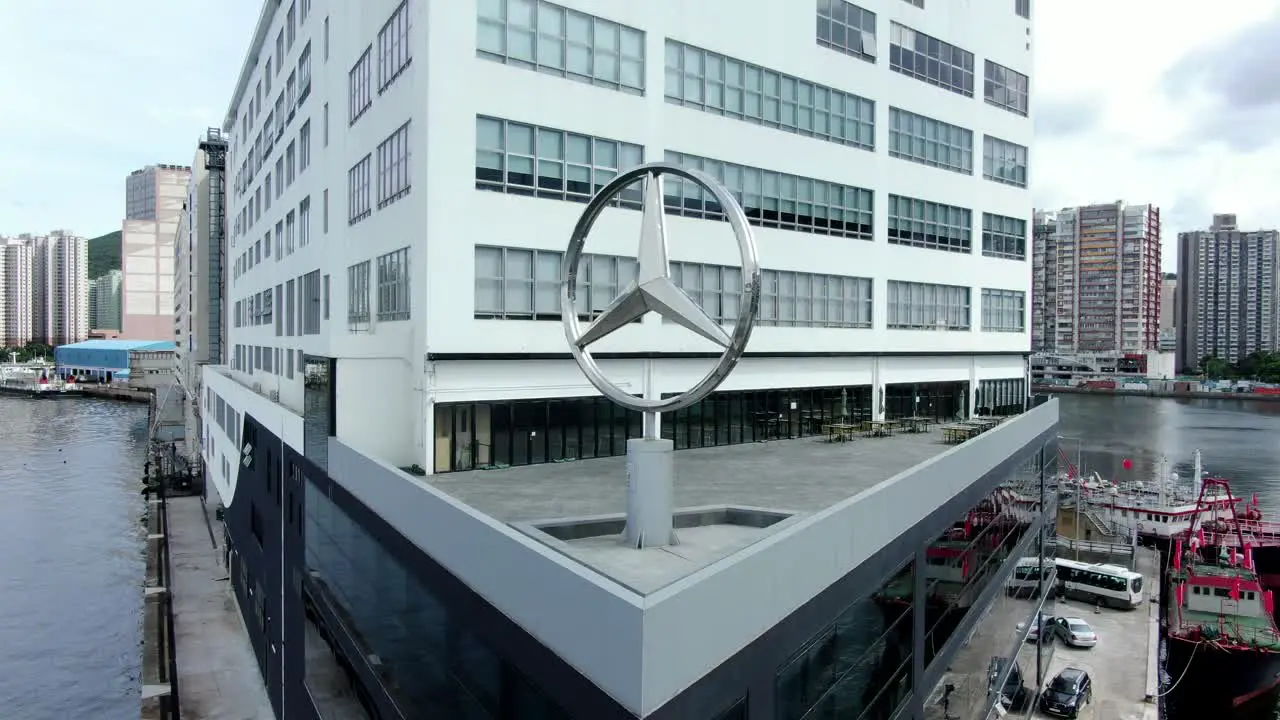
(106, 301)
(153, 204)
(1169, 320)
(399, 412)
(1227, 292)
(1044, 280)
(17, 290)
(199, 281)
(60, 309)
(44, 289)
(1098, 269)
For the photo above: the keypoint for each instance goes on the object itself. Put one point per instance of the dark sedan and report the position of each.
(1067, 694)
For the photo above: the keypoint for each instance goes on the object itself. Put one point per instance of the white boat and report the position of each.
(35, 381)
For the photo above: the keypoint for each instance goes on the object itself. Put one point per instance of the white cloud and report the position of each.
(1151, 138)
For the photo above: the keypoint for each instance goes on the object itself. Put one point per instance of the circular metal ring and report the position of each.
(750, 303)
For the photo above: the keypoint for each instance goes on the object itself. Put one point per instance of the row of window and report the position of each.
(525, 159)
(552, 39)
(292, 232)
(296, 307)
(394, 55)
(393, 292)
(546, 37)
(524, 284)
(394, 181)
(283, 362)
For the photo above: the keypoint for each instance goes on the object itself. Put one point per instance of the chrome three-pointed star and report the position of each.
(653, 290)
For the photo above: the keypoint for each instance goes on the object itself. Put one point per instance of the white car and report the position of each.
(1041, 620)
(1075, 632)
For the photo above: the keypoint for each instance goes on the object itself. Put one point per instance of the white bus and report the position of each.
(1111, 585)
(1027, 575)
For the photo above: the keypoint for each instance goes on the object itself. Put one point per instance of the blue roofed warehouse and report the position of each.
(104, 360)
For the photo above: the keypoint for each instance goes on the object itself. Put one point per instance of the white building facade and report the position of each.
(403, 178)
(892, 221)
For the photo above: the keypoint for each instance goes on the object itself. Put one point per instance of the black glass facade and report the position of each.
(858, 666)
(529, 432)
(1001, 397)
(940, 401)
(431, 663)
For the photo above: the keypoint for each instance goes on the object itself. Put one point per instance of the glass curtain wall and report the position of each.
(1001, 397)
(528, 432)
(940, 401)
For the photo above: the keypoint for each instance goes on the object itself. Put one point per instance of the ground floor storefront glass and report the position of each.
(942, 401)
(1001, 397)
(529, 432)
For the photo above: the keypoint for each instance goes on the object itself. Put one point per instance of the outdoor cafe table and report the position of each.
(838, 431)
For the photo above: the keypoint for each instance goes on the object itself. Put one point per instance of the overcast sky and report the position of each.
(1162, 101)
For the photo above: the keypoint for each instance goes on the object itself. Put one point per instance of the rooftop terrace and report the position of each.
(794, 477)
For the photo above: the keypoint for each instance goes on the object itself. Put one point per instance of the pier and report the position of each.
(1125, 664)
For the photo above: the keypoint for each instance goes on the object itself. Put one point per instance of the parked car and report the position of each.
(1041, 622)
(1067, 693)
(1014, 693)
(1075, 632)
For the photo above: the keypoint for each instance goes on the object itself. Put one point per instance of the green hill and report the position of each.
(104, 254)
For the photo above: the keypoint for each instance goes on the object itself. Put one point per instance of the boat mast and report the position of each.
(1198, 476)
(1160, 479)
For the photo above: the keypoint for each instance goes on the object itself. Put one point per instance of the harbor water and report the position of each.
(70, 503)
(72, 563)
(1239, 439)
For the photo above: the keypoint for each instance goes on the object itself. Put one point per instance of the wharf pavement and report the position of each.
(217, 671)
(1125, 664)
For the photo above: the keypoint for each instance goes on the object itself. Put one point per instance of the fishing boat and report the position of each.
(35, 381)
(1157, 510)
(1223, 639)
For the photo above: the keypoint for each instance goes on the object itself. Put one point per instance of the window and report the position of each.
(359, 97)
(721, 85)
(559, 41)
(848, 28)
(265, 315)
(1004, 162)
(279, 50)
(1005, 88)
(1022, 8)
(325, 128)
(304, 146)
(358, 191)
(326, 38)
(1004, 237)
(930, 142)
(358, 295)
(524, 159)
(279, 177)
(393, 285)
(291, 307)
(797, 299)
(925, 224)
(521, 284)
(1003, 310)
(304, 222)
(311, 306)
(921, 306)
(304, 11)
(291, 161)
(393, 46)
(772, 199)
(291, 94)
(326, 297)
(279, 311)
(289, 222)
(304, 73)
(266, 179)
(929, 59)
(917, 3)
(292, 19)
(324, 213)
(393, 167)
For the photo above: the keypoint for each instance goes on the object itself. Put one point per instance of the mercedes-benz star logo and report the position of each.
(654, 291)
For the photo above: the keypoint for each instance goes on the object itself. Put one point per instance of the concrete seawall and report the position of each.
(1188, 395)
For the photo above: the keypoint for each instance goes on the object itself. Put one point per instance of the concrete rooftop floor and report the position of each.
(801, 475)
